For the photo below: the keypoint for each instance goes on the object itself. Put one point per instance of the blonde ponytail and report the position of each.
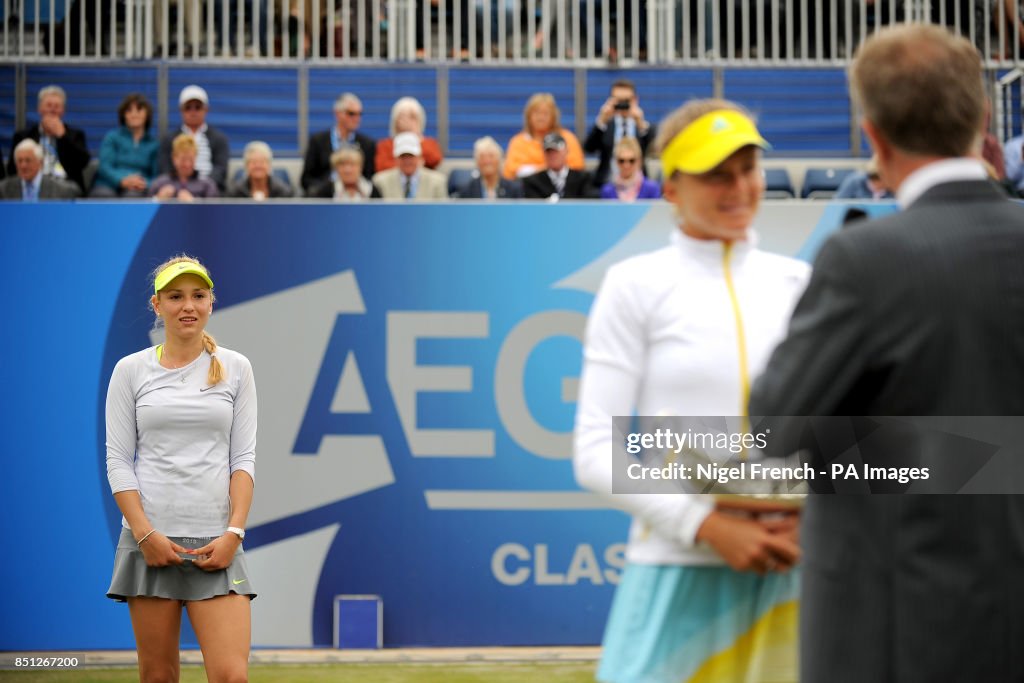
(216, 373)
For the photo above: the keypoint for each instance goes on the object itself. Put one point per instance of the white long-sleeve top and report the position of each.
(662, 338)
(177, 441)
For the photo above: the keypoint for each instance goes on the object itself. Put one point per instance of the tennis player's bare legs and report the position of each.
(223, 627)
(157, 626)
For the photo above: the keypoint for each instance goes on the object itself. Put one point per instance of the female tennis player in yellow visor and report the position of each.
(709, 592)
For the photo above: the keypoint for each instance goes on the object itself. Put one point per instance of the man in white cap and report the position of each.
(212, 147)
(409, 179)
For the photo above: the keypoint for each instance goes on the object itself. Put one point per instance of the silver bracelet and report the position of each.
(146, 536)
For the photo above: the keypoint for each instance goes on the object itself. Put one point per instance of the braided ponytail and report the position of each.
(216, 373)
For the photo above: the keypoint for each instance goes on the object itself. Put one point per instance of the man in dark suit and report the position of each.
(212, 149)
(65, 154)
(558, 181)
(919, 313)
(348, 113)
(29, 183)
(619, 117)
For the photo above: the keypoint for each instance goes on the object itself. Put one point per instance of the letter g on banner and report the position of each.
(510, 394)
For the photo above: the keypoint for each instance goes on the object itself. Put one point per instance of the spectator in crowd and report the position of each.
(620, 116)
(409, 180)
(29, 183)
(348, 112)
(495, 22)
(866, 184)
(184, 182)
(630, 183)
(260, 36)
(350, 185)
(558, 181)
(408, 116)
(128, 155)
(3, 166)
(525, 152)
(487, 182)
(623, 19)
(1009, 23)
(1013, 153)
(65, 154)
(212, 150)
(425, 17)
(259, 182)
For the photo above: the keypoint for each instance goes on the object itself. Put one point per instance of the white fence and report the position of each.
(657, 32)
(716, 32)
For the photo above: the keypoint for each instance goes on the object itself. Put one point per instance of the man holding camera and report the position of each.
(620, 116)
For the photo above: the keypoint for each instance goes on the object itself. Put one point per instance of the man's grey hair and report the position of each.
(29, 143)
(257, 147)
(344, 98)
(53, 90)
(486, 144)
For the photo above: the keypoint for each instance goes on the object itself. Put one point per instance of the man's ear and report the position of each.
(879, 144)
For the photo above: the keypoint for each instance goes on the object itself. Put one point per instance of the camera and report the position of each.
(622, 105)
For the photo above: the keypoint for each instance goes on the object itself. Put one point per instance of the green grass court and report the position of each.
(489, 672)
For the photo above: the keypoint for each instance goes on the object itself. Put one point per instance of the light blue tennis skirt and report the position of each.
(680, 624)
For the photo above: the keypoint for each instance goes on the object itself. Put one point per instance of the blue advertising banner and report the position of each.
(416, 368)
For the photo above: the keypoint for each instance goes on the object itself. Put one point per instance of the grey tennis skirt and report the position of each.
(134, 578)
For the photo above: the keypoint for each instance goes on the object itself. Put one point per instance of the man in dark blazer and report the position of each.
(620, 116)
(919, 313)
(557, 181)
(213, 151)
(29, 183)
(348, 114)
(65, 154)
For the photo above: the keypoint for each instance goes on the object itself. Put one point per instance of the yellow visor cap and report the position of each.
(183, 268)
(709, 141)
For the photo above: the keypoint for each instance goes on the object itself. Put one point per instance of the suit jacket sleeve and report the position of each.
(816, 368)
(314, 164)
(438, 186)
(595, 139)
(220, 155)
(165, 166)
(73, 153)
(369, 155)
(534, 187)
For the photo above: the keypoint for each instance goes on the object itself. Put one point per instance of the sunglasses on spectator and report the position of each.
(353, 113)
(193, 104)
(623, 160)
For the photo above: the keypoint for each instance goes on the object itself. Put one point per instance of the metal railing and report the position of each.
(710, 32)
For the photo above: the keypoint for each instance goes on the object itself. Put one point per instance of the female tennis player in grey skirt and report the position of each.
(181, 441)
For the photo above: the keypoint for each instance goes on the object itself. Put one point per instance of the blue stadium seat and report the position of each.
(822, 183)
(777, 184)
(458, 179)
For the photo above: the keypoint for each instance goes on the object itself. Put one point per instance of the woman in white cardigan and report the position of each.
(707, 593)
